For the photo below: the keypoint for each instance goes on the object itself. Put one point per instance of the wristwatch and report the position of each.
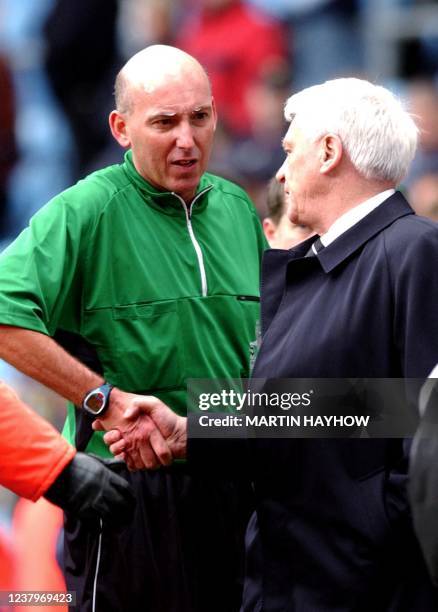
(96, 401)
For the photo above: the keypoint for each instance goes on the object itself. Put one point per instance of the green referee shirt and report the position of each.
(162, 293)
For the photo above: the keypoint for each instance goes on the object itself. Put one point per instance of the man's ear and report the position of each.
(213, 106)
(330, 154)
(118, 129)
(269, 228)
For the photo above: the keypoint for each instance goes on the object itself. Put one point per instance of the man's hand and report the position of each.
(172, 428)
(145, 444)
(88, 488)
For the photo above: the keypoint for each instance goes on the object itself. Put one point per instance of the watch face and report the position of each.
(95, 401)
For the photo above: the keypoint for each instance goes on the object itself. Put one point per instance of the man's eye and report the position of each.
(164, 122)
(201, 116)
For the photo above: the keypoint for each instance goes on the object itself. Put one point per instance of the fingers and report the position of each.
(135, 461)
(160, 448)
(142, 439)
(115, 441)
(117, 447)
(149, 451)
(112, 436)
(151, 460)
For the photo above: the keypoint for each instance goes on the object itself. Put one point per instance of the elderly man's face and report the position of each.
(301, 177)
(170, 131)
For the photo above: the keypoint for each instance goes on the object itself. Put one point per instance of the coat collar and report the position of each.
(165, 201)
(353, 239)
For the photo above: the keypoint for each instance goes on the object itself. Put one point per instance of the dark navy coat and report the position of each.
(334, 531)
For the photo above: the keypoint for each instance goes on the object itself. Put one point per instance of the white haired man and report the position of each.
(334, 527)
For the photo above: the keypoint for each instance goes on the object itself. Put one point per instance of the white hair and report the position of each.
(378, 134)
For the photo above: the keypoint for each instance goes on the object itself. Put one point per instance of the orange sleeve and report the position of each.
(32, 452)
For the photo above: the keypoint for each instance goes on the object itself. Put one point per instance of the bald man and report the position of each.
(133, 280)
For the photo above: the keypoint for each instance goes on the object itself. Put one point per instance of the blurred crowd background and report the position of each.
(58, 60)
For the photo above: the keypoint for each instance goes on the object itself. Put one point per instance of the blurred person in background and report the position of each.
(237, 44)
(422, 180)
(146, 22)
(135, 279)
(8, 145)
(43, 140)
(324, 37)
(82, 60)
(423, 194)
(422, 97)
(280, 232)
(252, 160)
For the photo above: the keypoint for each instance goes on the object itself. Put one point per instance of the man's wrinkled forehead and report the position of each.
(170, 102)
(152, 82)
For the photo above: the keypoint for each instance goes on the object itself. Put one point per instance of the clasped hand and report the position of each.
(143, 431)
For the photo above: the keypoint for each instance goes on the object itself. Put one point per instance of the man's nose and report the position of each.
(280, 176)
(184, 139)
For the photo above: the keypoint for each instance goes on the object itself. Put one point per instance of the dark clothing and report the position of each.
(8, 145)
(82, 62)
(423, 480)
(174, 512)
(334, 531)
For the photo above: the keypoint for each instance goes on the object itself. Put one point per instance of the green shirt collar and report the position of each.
(165, 201)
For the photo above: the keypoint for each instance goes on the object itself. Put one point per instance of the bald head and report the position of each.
(151, 68)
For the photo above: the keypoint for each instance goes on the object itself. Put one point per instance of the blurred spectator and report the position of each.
(325, 37)
(423, 103)
(252, 160)
(327, 41)
(145, 22)
(279, 231)
(43, 141)
(82, 61)
(8, 148)
(423, 194)
(237, 45)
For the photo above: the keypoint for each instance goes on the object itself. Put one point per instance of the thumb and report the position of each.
(97, 425)
(145, 404)
(132, 412)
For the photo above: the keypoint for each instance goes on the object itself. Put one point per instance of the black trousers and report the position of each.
(183, 552)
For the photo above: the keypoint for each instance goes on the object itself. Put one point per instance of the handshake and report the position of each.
(142, 431)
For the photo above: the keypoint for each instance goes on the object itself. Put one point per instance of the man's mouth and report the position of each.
(184, 163)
